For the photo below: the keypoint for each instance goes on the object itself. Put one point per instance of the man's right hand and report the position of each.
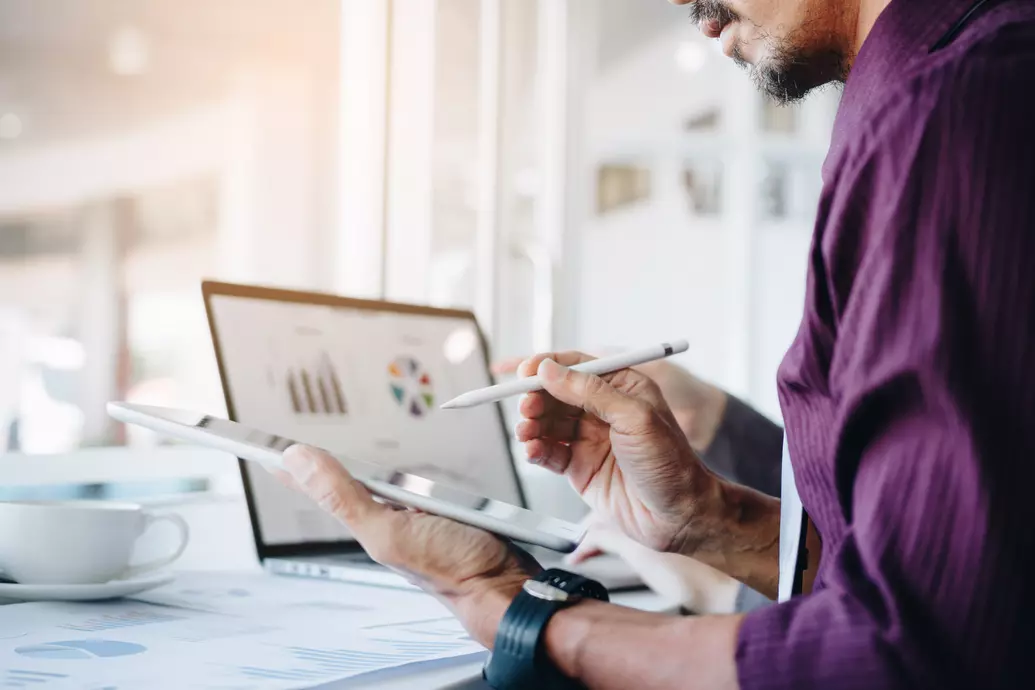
(617, 441)
(698, 406)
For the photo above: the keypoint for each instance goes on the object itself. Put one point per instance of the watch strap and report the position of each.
(515, 660)
(518, 659)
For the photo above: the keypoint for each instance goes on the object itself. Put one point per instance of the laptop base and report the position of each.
(358, 568)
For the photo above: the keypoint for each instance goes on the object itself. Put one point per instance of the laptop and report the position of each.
(364, 378)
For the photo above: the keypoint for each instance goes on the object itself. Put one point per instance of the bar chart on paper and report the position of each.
(24, 678)
(129, 619)
(387, 646)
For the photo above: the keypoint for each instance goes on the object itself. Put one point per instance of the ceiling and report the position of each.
(58, 76)
(56, 73)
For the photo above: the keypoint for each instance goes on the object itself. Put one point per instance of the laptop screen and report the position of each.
(361, 378)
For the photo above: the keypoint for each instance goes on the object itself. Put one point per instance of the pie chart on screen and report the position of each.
(411, 386)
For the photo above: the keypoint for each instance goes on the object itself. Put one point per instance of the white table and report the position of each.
(468, 676)
(453, 675)
(221, 534)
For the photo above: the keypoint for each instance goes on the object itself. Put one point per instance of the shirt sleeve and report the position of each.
(926, 258)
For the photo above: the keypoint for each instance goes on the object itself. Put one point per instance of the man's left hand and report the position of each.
(474, 573)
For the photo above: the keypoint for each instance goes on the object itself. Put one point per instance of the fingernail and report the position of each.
(300, 462)
(550, 370)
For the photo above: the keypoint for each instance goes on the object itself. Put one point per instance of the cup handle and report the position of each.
(181, 526)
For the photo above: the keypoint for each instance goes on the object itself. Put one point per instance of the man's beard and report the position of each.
(791, 71)
(789, 74)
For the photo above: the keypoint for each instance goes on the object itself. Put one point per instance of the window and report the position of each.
(144, 147)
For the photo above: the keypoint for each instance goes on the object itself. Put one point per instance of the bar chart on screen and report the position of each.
(314, 387)
(303, 375)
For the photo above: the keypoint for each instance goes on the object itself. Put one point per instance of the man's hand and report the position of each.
(617, 441)
(471, 571)
(478, 575)
(697, 405)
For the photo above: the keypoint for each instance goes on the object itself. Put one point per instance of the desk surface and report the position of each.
(447, 674)
(468, 675)
(221, 541)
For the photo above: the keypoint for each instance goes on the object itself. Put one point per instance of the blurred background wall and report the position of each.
(582, 173)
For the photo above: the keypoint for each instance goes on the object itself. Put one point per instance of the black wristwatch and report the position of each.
(518, 659)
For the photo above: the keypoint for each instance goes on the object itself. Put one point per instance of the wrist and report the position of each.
(568, 633)
(708, 519)
(738, 535)
(483, 607)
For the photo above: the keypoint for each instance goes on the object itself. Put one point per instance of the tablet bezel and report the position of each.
(251, 444)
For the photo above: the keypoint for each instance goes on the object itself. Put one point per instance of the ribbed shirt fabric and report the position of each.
(909, 392)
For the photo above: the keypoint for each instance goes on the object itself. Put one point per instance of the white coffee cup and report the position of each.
(77, 542)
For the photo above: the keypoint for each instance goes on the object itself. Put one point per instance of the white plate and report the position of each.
(106, 590)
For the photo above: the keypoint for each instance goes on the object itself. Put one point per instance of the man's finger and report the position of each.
(324, 480)
(586, 550)
(538, 405)
(569, 359)
(285, 478)
(555, 429)
(551, 455)
(594, 395)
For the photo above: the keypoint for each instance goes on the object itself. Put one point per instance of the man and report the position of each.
(908, 397)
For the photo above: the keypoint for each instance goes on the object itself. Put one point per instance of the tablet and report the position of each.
(405, 489)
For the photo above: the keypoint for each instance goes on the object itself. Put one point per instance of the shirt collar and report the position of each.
(904, 34)
(905, 31)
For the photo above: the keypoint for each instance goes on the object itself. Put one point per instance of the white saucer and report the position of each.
(95, 592)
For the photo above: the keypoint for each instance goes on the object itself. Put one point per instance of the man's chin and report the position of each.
(774, 78)
(789, 79)
(780, 86)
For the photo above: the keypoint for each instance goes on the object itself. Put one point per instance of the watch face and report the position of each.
(542, 590)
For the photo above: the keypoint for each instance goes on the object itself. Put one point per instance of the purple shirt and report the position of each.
(909, 393)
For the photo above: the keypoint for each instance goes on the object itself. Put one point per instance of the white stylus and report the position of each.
(597, 366)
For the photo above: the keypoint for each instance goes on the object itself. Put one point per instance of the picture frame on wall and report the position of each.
(619, 185)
